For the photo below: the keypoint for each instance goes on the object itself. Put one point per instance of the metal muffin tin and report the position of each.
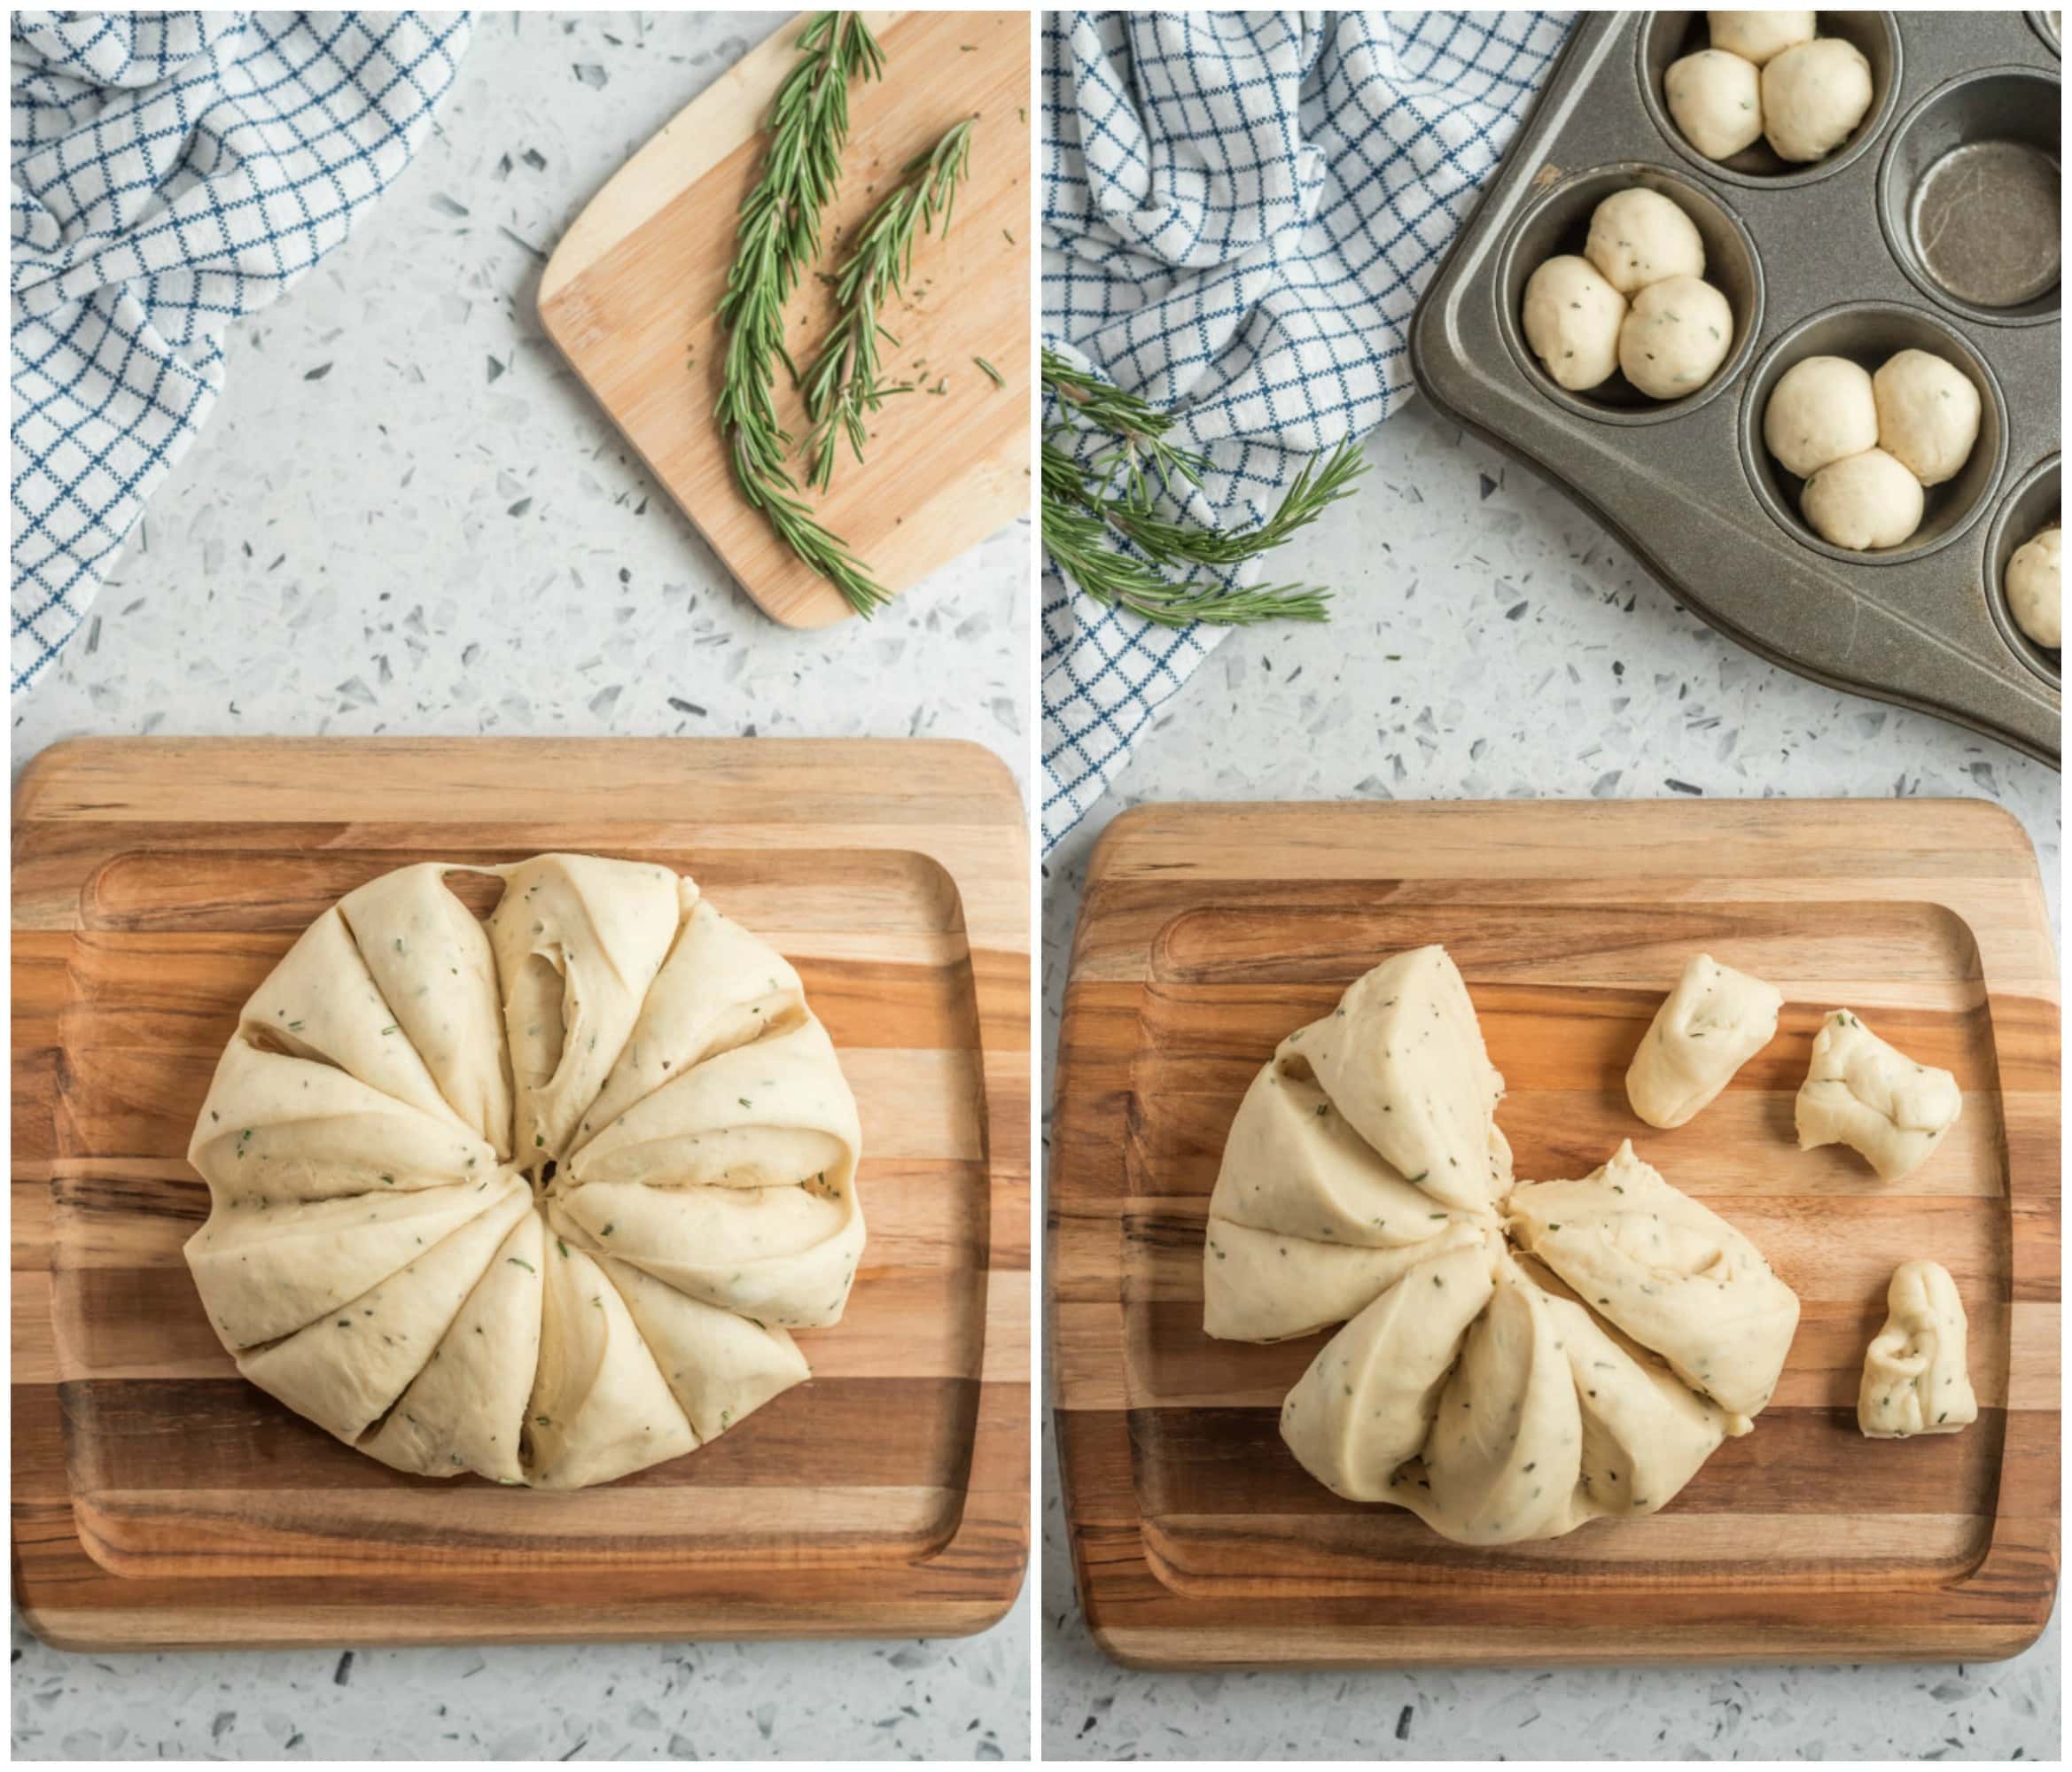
(1824, 259)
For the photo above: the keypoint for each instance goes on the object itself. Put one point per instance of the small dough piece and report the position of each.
(1861, 1093)
(1716, 99)
(1821, 409)
(1914, 1376)
(1864, 502)
(1676, 336)
(1572, 319)
(1814, 95)
(1402, 1058)
(1639, 236)
(2033, 587)
(1927, 415)
(1760, 36)
(1670, 1272)
(1708, 1028)
(1364, 1407)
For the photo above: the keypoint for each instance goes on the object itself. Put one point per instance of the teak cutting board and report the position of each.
(161, 1501)
(630, 293)
(1210, 931)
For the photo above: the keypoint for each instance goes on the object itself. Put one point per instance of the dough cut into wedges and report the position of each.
(1402, 1059)
(1506, 1446)
(1708, 1028)
(721, 1366)
(785, 1255)
(1293, 1165)
(578, 940)
(265, 1270)
(429, 958)
(1263, 1286)
(599, 1405)
(720, 988)
(1645, 1431)
(1365, 1405)
(1862, 1093)
(281, 1127)
(322, 1003)
(343, 1369)
(466, 1410)
(1670, 1272)
(761, 1116)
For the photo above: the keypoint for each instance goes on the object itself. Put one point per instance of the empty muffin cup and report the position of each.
(1968, 196)
(1668, 37)
(1557, 222)
(2033, 505)
(1869, 333)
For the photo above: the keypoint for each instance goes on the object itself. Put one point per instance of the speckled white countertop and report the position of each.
(1489, 642)
(407, 517)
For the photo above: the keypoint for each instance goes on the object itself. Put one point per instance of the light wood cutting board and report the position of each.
(161, 1501)
(629, 296)
(1208, 931)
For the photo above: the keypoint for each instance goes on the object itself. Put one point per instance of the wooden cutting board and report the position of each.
(159, 1501)
(1210, 931)
(630, 293)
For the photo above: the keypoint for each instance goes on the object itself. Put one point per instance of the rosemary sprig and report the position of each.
(778, 235)
(845, 383)
(1117, 490)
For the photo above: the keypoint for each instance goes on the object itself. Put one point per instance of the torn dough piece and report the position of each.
(1861, 1093)
(1708, 1028)
(1914, 1376)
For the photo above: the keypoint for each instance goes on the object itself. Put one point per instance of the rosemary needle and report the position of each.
(777, 237)
(844, 384)
(999, 380)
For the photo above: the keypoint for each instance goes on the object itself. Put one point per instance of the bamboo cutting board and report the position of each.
(630, 293)
(1210, 931)
(161, 1501)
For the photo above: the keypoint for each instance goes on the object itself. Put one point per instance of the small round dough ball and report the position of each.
(1821, 409)
(1757, 36)
(1927, 415)
(1864, 502)
(2032, 587)
(1717, 101)
(1676, 336)
(1639, 236)
(1572, 320)
(1813, 96)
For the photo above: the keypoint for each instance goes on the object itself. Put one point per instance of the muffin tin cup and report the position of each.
(1559, 222)
(1867, 333)
(2012, 116)
(1666, 37)
(1806, 260)
(2034, 504)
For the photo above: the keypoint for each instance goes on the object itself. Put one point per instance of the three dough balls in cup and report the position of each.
(1769, 76)
(1868, 446)
(1635, 301)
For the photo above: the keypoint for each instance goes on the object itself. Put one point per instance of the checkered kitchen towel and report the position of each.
(170, 171)
(1240, 211)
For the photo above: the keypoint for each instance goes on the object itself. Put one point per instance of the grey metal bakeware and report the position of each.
(1815, 259)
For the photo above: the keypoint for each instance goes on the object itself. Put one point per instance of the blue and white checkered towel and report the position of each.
(1240, 211)
(170, 171)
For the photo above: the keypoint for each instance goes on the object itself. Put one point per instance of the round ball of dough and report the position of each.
(1864, 502)
(1639, 236)
(1677, 335)
(1757, 36)
(2032, 587)
(1927, 415)
(1821, 409)
(1717, 101)
(1572, 320)
(1813, 95)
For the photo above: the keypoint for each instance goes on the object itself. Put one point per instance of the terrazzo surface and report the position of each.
(407, 517)
(1490, 642)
